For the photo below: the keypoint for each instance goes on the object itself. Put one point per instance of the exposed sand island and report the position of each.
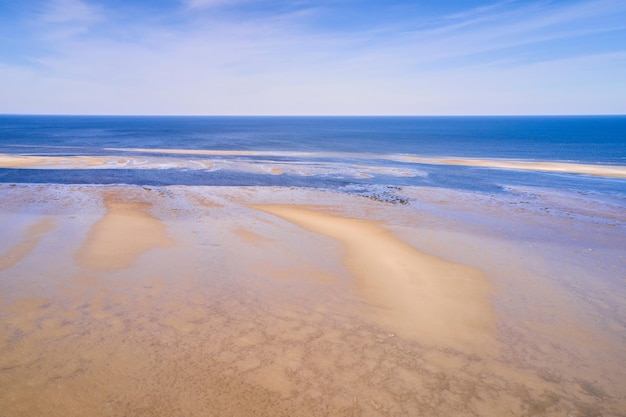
(269, 301)
(29, 161)
(608, 171)
(78, 162)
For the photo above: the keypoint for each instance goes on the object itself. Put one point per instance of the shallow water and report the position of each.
(595, 139)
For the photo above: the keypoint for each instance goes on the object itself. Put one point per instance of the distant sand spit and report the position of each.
(608, 171)
(26, 161)
(421, 296)
(160, 161)
(77, 162)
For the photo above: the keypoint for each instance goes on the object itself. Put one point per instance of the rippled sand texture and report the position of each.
(197, 301)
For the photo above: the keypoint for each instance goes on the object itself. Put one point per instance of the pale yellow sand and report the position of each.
(18, 161)
(125, 232)
(421, 296)
(608, 171)
(26, 161)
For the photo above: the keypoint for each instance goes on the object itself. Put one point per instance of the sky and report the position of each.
(312, 57)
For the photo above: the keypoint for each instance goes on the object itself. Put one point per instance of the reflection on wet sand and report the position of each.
(28, 242)
(198, 328)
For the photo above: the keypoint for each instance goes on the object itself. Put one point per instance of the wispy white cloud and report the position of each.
(480, 10)
(60, 20)
(69, 11)
(493, 59)
(204, 4)
(506, 25)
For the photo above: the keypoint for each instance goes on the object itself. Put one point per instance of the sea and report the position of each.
(351, 154)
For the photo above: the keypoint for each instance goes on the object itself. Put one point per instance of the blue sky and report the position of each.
(313, 57)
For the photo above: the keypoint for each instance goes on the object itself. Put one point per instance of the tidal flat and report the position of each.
(269, 301)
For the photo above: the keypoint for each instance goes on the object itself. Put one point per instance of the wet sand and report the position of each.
(198, 301)
(29, 241)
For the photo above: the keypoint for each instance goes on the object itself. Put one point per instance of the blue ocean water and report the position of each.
(594, 139)
(331, 149)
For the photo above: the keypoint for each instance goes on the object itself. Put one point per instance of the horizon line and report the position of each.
(316, 115)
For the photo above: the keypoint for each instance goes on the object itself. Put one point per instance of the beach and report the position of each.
(193, 300)
(390, 208)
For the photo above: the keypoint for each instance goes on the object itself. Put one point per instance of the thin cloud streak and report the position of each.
(69, 11)
(203, 4)
(283, 64)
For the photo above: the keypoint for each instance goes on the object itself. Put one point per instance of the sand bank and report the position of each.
(27, 161)
(19, 161)
(608, 171)
(125, 232)
(420, 296)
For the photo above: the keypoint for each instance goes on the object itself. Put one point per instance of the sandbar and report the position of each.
(125, 232)
(608, 171)
(599, 170)
(421, 296)
(30, 161)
